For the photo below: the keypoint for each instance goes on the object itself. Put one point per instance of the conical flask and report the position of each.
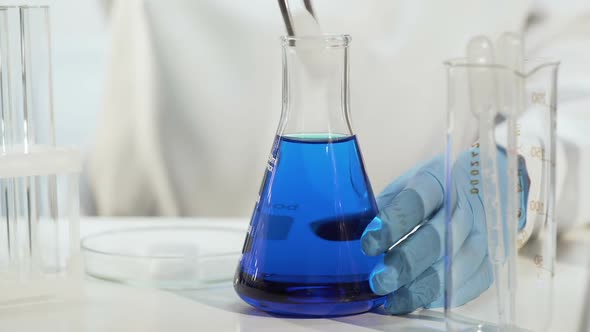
(302, 254)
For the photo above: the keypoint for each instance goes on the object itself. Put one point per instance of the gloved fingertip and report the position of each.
(374, 237)
(383, 280)
(375, 225)
(399, 303)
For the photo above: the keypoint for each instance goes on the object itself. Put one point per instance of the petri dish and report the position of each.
(168, 257)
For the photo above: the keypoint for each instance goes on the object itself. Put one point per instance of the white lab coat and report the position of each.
(194, 95)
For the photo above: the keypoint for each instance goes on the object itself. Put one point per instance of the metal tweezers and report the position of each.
(284, 6)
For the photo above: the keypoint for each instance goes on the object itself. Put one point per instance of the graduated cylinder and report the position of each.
(501, 149)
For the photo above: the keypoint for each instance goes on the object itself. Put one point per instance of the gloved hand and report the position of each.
(412, 272)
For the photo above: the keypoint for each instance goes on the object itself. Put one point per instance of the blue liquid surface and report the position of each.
(302, 255)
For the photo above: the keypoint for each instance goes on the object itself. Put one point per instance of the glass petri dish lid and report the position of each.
(168, 257)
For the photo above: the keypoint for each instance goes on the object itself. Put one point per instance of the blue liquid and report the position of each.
(302, 255)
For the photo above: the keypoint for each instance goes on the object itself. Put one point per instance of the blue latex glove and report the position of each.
(412, 272)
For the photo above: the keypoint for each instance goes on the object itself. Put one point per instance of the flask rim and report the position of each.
(323, 40)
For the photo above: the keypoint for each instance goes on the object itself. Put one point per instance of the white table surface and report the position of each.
(106, 306)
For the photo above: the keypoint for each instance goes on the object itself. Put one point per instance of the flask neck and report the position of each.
(315, 87)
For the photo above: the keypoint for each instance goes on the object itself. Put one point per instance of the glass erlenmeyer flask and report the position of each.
(302, 254)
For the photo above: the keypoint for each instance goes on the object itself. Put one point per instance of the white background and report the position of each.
(80, 55)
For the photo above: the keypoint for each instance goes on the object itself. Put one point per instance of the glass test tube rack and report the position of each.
(39, 200)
